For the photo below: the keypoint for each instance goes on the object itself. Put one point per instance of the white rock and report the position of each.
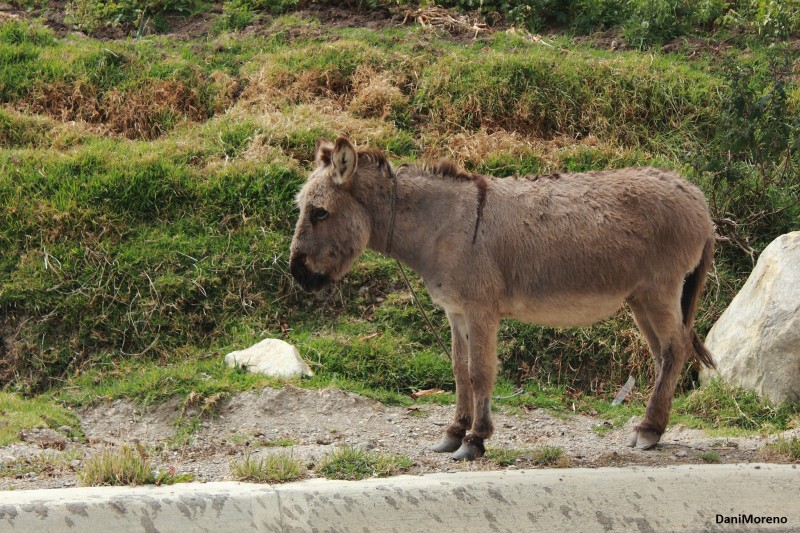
(272, 357)
(756, 341)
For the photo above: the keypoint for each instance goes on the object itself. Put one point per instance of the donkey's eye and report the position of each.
(317, 214)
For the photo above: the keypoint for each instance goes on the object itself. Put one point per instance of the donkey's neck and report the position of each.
(427, 211)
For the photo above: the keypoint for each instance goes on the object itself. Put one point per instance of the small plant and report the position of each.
(783, 449)
(352, 463)
(277, 468)
(549, 456)
(504, 456)
(92, 15)
(126, 466)
(710, 457)
(603, 428)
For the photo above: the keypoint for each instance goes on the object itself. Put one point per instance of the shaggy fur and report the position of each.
(560, 250)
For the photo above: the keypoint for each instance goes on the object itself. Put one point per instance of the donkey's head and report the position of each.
(333, 228)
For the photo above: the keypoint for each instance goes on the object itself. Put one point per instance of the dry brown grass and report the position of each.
(275, 85)
(375, 94)
(144, 113)
(475, 147)
(290, 133)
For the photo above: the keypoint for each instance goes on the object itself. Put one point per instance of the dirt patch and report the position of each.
(691, 47)
(315, 422)
(604, 40)
(338, 17)
(695, 47)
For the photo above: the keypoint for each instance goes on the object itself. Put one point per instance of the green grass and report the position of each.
(353, 464)
(274, 468)
(18, 414)
(545, 92)
(727, 408)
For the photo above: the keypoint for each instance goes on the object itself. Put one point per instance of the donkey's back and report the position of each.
(568, 249)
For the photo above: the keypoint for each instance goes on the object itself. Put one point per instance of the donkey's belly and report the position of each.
(567, 311)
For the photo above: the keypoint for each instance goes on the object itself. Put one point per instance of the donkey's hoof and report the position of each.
(471, 449)
(448, 444)
(644, 439)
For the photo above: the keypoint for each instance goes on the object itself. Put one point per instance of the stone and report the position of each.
(756, 341)
(44, 438)
(272, 357)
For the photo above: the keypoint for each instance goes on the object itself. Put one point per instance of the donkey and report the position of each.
(558, 250)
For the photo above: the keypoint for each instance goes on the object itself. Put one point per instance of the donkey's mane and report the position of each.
(373, 155)
(443, 169)
(449, 170)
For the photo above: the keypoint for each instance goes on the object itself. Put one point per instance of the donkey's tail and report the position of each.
(692, 288)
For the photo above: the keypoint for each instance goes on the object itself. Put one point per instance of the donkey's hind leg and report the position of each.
(663, 312)
(463, 419)
(639, 311)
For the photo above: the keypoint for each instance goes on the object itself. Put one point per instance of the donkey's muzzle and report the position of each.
(307, 278)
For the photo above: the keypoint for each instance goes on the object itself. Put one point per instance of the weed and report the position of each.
(274, 468)
(278, 443)
(782, 449)
(709, 457)
(126, 466)
(504, 456)
(548, 456)
(352, 463)
(185, 429)
(538, 456)
(603, 428)
(139, 16)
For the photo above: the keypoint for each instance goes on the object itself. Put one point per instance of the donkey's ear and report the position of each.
(323, 152)
(345, 161)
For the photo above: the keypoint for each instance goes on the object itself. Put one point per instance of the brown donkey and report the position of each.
(558, 250)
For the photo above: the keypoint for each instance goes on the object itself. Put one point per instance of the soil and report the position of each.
(317, 421)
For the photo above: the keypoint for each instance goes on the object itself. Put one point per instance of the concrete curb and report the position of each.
(680, 498)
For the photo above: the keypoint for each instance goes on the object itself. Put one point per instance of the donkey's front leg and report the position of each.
(463, 419)
(482, 341)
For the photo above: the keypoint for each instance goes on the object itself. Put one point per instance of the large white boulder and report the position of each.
(756, 341)
(272, 357)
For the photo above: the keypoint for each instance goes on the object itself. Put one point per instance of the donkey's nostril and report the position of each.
(307, 278)
(297, 266)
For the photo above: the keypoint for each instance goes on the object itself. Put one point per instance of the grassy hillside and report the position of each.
(148, 169)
